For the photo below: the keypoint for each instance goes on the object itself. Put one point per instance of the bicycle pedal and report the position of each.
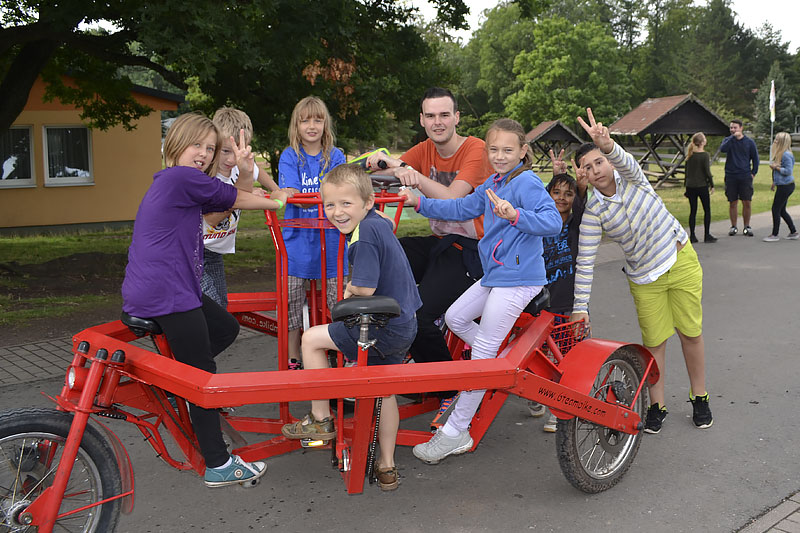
(314, 443)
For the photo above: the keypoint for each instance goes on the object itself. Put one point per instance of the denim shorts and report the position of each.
(393, 343)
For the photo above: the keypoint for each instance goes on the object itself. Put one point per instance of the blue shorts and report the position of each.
(394, 340)
(739, 188)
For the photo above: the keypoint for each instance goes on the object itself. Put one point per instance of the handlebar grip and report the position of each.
(382, 164)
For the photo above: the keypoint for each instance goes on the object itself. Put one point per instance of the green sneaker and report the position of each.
(238, 471)
(309, 428)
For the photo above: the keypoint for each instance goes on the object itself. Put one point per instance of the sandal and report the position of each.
(388, 478)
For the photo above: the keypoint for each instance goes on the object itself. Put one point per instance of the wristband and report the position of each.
(280, 203)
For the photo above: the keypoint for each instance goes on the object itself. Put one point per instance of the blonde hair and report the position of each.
(229, 121)
(312, 107)
(512, 126)
(782, 142)
(186, 130)
(697, 140)
(353, 174)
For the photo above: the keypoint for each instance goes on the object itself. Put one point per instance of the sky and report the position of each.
(782, 14)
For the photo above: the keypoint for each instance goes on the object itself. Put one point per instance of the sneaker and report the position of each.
(733, 231)
(349, 363)
(692, 238)
(655, 418)
(308, 428)
(445, 408)
(793, 236)
(238, 471)
(536, 409)
(771, 238)
(748, 231)
(710, 238)
(702, 412)
(551, 425)
(388, 479)
(440, 446)
(294, 364)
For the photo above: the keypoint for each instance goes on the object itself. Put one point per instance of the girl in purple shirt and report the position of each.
(165, 265)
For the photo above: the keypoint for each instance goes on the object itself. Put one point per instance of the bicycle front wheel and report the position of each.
(31, 445)
(594, 458)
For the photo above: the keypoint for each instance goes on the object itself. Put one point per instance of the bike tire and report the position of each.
(31, 444)
(594, 458)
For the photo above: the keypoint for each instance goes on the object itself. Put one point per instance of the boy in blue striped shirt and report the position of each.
(664, 274)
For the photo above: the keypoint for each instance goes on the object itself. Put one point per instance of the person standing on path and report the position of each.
(741, 167)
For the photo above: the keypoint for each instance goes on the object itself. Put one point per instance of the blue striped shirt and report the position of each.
(636, 219)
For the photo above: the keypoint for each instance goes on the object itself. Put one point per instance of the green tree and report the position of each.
(362, 56)
(572, 67)
(785, 108)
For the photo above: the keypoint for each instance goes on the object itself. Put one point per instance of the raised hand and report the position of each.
(559, 166)
(245, 159)
(502, 208)
(581, 177)
(597, 132)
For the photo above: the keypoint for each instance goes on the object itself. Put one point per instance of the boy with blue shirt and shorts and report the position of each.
(378, 266)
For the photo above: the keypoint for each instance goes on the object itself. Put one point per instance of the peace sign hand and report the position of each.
(559, 166)
(581, 177)
(245, 159)
(502, 208)
(597, 132)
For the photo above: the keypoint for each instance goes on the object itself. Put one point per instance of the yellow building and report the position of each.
(57, 172)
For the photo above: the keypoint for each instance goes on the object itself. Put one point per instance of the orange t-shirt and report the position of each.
(469, 164)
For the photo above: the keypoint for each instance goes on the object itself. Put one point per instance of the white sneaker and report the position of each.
(793, 236)
(440, 446)
(551, 425)
(771, 238)
(536, 409)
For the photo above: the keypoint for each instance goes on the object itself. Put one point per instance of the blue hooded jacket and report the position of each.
(511, 251)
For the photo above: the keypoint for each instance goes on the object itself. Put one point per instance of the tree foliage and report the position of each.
(785, 108)
(571, 68)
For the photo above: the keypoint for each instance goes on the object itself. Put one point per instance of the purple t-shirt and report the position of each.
(165, 259)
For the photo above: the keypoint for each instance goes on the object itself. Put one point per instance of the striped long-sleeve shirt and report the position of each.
(636, 219)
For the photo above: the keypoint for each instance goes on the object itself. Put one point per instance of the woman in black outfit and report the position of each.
(699, 184)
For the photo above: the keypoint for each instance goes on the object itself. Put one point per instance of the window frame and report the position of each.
(22, 183)
(67, 181)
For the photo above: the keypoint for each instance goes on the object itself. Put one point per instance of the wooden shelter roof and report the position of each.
(670, 115)
(552, 130)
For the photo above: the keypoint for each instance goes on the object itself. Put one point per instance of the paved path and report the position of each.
(46, 360)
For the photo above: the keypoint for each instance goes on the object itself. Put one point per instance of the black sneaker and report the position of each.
(702, 412)
(710, 238)
(748, 231)
(692, 239)
(655, 418)
(733, 231)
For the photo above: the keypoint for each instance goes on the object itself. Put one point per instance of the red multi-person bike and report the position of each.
(64, 467)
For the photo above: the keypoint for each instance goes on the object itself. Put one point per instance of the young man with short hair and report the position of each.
(741, 167)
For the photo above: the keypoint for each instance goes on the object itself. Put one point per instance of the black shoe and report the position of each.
(655, 418)
(733, 231)
(702, 412)
(692, 238)
(710, 238)
(748, 231)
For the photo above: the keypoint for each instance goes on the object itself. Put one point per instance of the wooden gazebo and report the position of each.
(668, 121)
(550, 135)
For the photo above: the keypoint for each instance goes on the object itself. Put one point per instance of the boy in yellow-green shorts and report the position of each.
(664, 274)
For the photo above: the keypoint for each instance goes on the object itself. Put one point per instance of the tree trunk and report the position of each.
(19, 79)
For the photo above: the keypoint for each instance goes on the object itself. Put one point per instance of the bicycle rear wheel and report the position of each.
(594, 458)
(31, 444)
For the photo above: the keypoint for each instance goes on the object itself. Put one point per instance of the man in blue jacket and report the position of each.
(741, 166)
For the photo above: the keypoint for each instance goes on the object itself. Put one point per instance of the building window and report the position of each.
(68, 156)
(15, 154)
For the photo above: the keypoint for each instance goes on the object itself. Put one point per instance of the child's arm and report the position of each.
(248, 200)
(212, 219)
(466, 208)
(265, 179)
(588, 243)
(354, 290)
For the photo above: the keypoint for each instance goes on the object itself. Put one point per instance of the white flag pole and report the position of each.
(771, 115)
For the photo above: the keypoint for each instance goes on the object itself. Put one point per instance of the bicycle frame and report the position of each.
(534, 363)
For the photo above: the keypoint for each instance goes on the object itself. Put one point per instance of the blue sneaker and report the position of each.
(238, 471)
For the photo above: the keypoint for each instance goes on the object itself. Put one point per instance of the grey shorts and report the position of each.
(297, 297)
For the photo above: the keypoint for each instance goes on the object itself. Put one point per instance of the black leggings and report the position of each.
(693, 193)
(196, 337)
(782, 194)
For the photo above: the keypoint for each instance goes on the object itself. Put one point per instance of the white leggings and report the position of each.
(498, 308)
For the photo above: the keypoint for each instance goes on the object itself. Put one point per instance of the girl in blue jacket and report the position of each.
(517, 212)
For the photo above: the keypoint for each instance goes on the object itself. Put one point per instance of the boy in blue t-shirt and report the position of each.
(378, 267)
